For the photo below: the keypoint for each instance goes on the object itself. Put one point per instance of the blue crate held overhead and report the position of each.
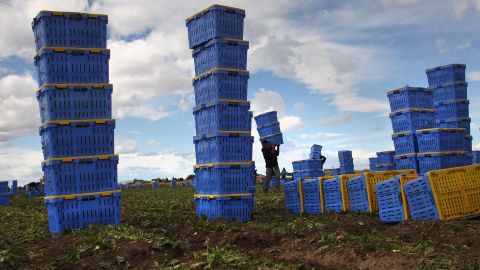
(273, 128)
(452, 109)
(215, 21)
(311, 196)
(357, 193)
(390, 202)
(316, 148)
(221, 53)
(70, 29)
(412, 119)
(407, 162)
(332, 195)
(224, 179)
(420, 199)
(315, 155)
(443, 160)
(293, 198)
(385, 157)
(450, 91)
(220, 84)
(72, 66)
(81, 211)
(274, 139)
(223, 147)
(75, 102)
(222, 116)
(405, 143)
(72, 139)
(80, 175)
(441, 139)
(455, 123)
(446, 74)
(225, 207)
(266, 119)
(410, 97)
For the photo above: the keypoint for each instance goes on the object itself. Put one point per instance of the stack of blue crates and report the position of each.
(346, 162)
(372, 164)
(308, 168)
(335, 171)
(14, 189)
(316, 151)
(77, 131)
(411, 110)
(268, 128)
(385, 161)
(224, 179)
(475, 157)
(4, 197)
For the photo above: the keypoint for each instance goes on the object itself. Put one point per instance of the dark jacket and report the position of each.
(270, 156)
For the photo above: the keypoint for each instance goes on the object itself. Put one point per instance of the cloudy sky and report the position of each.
(325, 66)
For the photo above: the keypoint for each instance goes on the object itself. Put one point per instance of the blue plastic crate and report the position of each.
(225, 207)
(446, 74)
(274, 139)
(385, 167)
(312, 173)
(468, 143)
(155, 185)
(315, 155)
(441, 139)
(82, 211)
(332, 195)
(292, 197)
(3, 187)
(407, 162)
(14, 187)
(224, 179)
(452, 109)
(72, 66)
(311, 197)
(297, 165)
(358, 196)
(311, 164)
(411, 120)
(316, 148)
(80, 175)
(450, 91)
(410, 97)
(455, 123)
(220, 84)
(390, 202)
(266, 119)
(73, 139)
(385, 157)
(216, 21)
(420, 199)
(221, 53)
(4, 199)
(273, 128)
(476, 154)
(345, 154)
(437, 161)
(70, 29)
(223, 147)
(335, 171)
(75, 102)
(222, 116)
(405, 143)
(346, 161)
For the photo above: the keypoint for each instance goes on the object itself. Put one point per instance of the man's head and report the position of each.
(265, 144)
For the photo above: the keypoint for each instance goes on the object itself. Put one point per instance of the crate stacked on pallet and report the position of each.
(223, 143)
(385, 161)
(4, 196)
(346, 162)
(268, 128)
(77, 131)
(452, 107)
(445, 194)
(411, 110)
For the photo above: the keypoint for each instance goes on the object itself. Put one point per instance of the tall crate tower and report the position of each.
(223, 143)
(77, 129)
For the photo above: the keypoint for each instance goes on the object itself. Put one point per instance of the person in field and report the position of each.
(270, 153)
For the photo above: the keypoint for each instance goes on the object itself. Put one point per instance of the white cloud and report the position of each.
(20, 164)
(398, 3)
(291, 123)
(343, 118)
(267, 100)
(125, 146)
(464, 45)
(152, 142)
(320, 135)
(460, 7)
(299, 107)
(441, 45)
(473, 75)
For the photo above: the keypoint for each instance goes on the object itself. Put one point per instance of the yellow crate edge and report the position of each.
(443, 129)
(208, 9)
(66, 122)
(412, 109)
(66, 85)
(300, 191)
(212, 196)
(344, 191)
(59, 13)
(222, 163)
(70, 159)
(320, 189)
(215, 69)
(73, 196)
(268, 136)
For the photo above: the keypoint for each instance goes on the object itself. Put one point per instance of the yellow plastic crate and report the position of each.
(456, 191)
(403, 180)
(343, 187)
(320, 188)
(372, 178)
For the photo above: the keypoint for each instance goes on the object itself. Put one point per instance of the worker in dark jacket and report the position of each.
(270, 153)
(323, 159)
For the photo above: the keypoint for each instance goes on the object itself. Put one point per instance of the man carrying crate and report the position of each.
(270, 153)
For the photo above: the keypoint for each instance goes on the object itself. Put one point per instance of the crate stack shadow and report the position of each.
(77, 129)
(223, 143)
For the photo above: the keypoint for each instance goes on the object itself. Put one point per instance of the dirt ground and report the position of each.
(160, 231)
